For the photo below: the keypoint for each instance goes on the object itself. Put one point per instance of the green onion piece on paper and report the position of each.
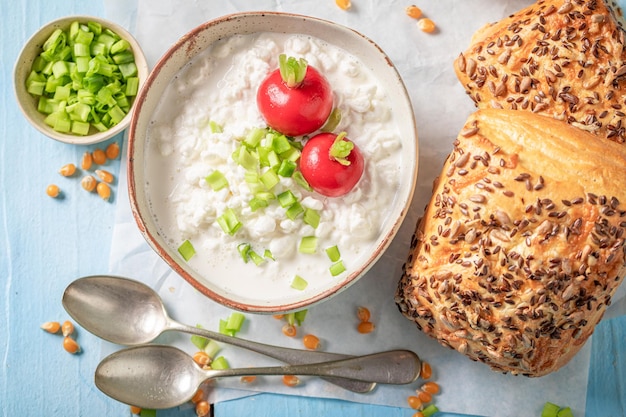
(220, 363)
(186, 250)
(199, 341)
(565, 412)
(235, 321)
(299, 316)
(550, 410)
(430, 410)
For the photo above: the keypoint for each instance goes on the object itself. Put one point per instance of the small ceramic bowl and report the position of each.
(225, 278)
(28, 102)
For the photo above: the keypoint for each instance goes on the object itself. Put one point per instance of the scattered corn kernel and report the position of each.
(414, 402)
(104, 191)
(413, 11)
(365, 327)
(51, 326)
(53, 190)
(311, 342)
(201, 358)
(88, 183)
(67, 328)
(424, 397)
(99, 156)
(70, 345)
(343, 4)
(105, 176)
(197, 397)
(278, 316)
(289, 330)
(426, 371)
(113, 150)
(291, 380)
(248, 379)
(203, 408)
(431, 387)
(87, 161)
(426, 25)
(418, 414)
(135, 410)
(67, 170)
(363, 313)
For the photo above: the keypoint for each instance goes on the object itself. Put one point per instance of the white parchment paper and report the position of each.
(441, 107)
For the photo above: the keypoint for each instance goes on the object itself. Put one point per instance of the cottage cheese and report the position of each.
(220, 86)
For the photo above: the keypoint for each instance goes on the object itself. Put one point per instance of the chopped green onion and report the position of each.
(256, 258)
(253, 138)
(308, 244)
(229, 222)
(269, 179)
(220, 363)
(244, 251)
(311, 217)
(268, 254)
(565, 412)
(333, 253)
(294, 211)
(550, 410)
(280, 144)
(299, 283)
(235, 321)
(186, 250)
(287, 168)
(224, 330)
(299, 316)
(286, 199)
(299, 179)
(337, 268)
(430, 410)
(216, 180)
(211, 348)
(146, 412)
(257, 203)
(199, 341)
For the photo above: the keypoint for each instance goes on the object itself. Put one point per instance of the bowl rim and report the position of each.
(152, 236)
(25, 100)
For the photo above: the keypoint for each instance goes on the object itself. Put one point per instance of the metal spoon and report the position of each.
(128, 312)
(157, 376)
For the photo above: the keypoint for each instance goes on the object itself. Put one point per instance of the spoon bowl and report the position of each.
(157, 376)
(139, 315)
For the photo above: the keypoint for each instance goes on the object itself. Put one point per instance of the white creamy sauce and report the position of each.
(220, 85)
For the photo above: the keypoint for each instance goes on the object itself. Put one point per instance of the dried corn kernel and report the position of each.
(426, 25)
(248, 379)
(413, 11)
(135, 410)
(53, 190)
(203, 408)
(51, 326)
(365, 327)
(70, 345)
(104, 191)
(418, 414)
(88, 183)
(99, 157)
(343, 4)
(426, 371)
(113, 150)
(278, 316)
(431, 387)
(363, 313)
(291, 380)
(87, 161)
(67, 328)
(424, 397)
(414, 402)
(67, 170)
(201, 358)
(197, 397)
(311, 342)
(289, 330)
(105, 176)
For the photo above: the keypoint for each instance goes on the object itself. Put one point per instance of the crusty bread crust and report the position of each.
(561, 58)
(522, 244)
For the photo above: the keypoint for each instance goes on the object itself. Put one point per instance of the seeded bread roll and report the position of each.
(564, 59)
(522, 245)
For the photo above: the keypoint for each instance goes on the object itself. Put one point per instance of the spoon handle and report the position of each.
(391, 367)
(287, 355)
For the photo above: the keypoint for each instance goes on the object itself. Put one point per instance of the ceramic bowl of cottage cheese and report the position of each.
(199, 193)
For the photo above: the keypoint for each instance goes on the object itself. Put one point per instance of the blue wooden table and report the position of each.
(47, 243)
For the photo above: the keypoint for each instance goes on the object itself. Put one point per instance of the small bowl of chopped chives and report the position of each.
(77, 77)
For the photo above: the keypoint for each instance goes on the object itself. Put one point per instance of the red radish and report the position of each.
(331, 164)
(295, 99)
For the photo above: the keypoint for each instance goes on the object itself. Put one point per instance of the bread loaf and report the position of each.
(522, 245)
(561, 58)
